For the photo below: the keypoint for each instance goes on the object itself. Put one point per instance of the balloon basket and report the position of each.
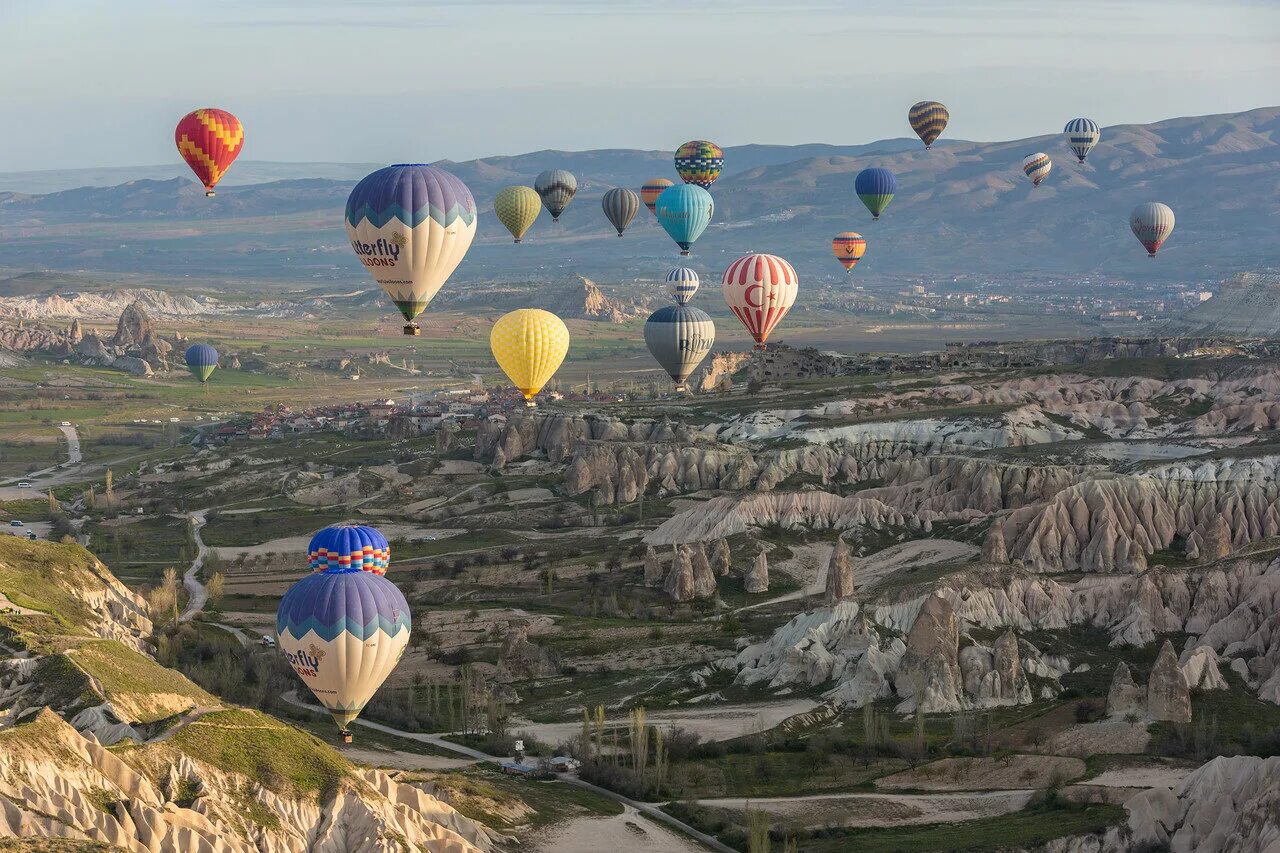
(684, 253)
(530, 403)
(346, 737)
(208, 193)
(412, 329)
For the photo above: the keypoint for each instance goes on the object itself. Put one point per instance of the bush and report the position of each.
(1090, 710)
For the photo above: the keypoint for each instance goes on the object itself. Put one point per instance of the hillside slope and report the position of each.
(100, 743)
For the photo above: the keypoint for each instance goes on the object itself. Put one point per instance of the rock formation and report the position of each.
(704, 580)
(993, 548)
(1200, 669)
(756, 579)
(839, 573)
(519, 658)
(1124, 697)
(652, 567)
(721, 560)
(679, 583)
(725, 516)
(1168, 696)
(930, 677)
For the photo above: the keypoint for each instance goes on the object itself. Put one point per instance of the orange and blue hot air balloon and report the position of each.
(354, 546)
(209, 140)
(876, 188)
(848, 247)
(651, 190)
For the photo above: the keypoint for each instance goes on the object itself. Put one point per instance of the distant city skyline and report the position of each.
(100, 83)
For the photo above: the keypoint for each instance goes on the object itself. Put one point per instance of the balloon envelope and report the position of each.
(928, 119)
(1152, 223)
(410, 225)
(876, 188)
(202, 360)
(1037, 167)
(529, 345)
(209, 140)
(620, 206)
(699, 162)
(684, 210)
(848, 247)
(1082, 134)
(651, 190)
(517, 208)
(679, 337)
(683, 283)
(760, 290)
(343, 631)
(557, 188)
(349, 546)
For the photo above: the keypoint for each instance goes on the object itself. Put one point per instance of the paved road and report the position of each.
(45, 478)
(648, 809)
(196, 594)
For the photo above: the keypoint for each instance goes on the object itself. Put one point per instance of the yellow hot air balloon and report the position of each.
(529, 344)
(517, 208)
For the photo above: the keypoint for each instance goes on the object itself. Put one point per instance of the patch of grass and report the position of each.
(38, 575)
(232, 531)
(279, 757)
(132, 680)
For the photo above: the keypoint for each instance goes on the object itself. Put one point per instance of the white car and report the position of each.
(173, 420)
(24, 485)
(15, 523)
(66, 423)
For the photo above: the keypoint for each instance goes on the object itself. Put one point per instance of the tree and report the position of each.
(758, 826)
(215, 588)
(639, 742)
(162, 600)
(108, 490)
(53, 503)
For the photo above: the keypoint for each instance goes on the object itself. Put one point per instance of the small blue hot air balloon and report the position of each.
(684, 210)
(876, 187)
(349, 546)
(202, 360)
(343, 632)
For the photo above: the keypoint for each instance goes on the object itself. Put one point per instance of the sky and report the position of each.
(95, 83)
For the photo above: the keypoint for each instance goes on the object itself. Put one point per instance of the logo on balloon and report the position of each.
(382, 253)
(695, 344)
(306, 662)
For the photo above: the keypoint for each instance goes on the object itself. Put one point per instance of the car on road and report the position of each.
(270, 642)
(173, 420)
(24, 485)
(31, 534)
(66, 423)
(15, 523)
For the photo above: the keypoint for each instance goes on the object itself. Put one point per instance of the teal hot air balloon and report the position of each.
(620, 206)
(202, 360)
(679, 337)
(684, 210)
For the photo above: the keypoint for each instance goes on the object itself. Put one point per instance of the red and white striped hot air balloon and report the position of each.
(760, 290)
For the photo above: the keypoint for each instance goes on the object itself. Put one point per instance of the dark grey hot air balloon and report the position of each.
(621, 206)
(556, 187)
(679, 336)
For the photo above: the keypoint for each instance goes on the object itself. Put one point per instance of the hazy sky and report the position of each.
(102, 82)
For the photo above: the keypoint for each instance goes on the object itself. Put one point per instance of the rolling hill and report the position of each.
(963, 208)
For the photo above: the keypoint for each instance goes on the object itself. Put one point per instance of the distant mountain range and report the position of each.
(964, 209)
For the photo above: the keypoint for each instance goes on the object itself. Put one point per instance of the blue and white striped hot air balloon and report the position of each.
(343, 631)
(683, 284)
(355, 546)
(1082, 134)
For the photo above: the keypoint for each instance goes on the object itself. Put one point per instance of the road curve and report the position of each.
(647, 809)
(196, 593)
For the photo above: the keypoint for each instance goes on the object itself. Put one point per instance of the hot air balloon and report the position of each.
(875, 187)
(343, 631)
(760, 290)
(928, 119)
(699, 162)
(517, 208)
(202, 360)
(557, 188)
(651, 190)
(529, 344)
(410, 225)
(620, 206)
(679, 337)
(1037, 167)
(683, 284)
(1152, 223)
(848, 247)
(349, 546)
(209, 140)
(1082, 134)
(684, 210)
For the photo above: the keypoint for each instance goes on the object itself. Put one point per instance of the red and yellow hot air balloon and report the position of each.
(651, 190)
(760, 290)
(209, 140)
(848, 247)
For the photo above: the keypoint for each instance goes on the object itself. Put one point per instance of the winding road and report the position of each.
(648, 809)
(45, 478)
(196, 593)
